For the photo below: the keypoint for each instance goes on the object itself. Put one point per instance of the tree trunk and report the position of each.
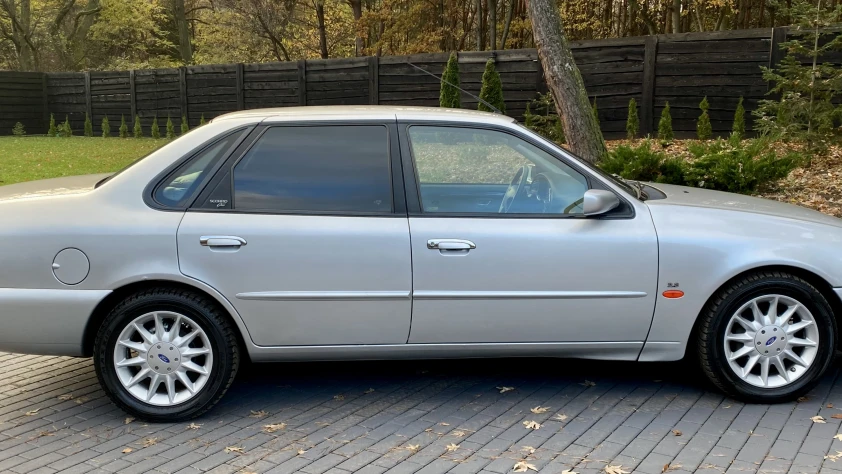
(185, 47)
(508, 24)
(676, 16)
(492, 24)
(581, 129)
(480, 39)
(320, 15)
(357, 9)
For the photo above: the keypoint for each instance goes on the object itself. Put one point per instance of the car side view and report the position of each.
(333, 233)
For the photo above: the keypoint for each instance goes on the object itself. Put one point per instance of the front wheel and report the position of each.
(166, 355)
(767, 337)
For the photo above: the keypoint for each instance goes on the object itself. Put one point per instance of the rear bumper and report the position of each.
(50, 322)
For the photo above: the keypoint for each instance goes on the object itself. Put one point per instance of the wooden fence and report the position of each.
(680, 69)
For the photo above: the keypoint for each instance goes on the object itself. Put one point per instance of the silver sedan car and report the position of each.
(329, 233)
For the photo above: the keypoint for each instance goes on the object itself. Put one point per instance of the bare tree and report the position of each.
(269, 19)
(320, 16)
(185, 46)
(581, 129)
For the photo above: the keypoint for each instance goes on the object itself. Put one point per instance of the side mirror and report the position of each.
(598, 201)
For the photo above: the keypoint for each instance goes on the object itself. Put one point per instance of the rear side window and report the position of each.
(180, 185)
(316, 168)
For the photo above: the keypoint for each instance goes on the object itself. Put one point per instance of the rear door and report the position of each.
(305, 234)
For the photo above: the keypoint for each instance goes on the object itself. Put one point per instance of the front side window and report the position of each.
(466, 170)
(330, 168)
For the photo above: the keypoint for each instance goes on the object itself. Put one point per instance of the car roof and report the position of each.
(372, 112)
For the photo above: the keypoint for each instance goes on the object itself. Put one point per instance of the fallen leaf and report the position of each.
(802, 399)
(412, 447)
(68, 396)
(677, 432)
(528, 449)
(127, 450)
(301, 451)
(818, 419)
(829, 405)
(128, 420)
(150, 442)
(32, 412)
(834, 457)
(41, 434)
(588, 383)
(274, 427)
(838, 416)
(505, 389)
(671, 467)
(560, 417)
(235, 449)
(568, 471)
(458, 434)
(452, 447)
(618, 469)
(428, 430)
(522, 466)
(257, 414)
(444, 424)
(539, 410)
(533, 425)
(371, 390)
(838, 437)
(81, 400)
(339, 398)
(193, 426)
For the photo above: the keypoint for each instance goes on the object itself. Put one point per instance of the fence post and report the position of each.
(302, 82)
(132, 96)
(775, 51)
(373, 80)
(45, 98)
(647, 103)
(182, 87)
(88, 108)
(241, 99)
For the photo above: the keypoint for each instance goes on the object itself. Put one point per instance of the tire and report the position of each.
(767, 344)
(179, 313)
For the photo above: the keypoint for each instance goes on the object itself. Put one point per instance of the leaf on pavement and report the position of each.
(150, 442)
(235, 449)
(528, 449)
(677, 432)
(523, 466)
(339, 397)
(838, 437)
(452, 447)
(257, 414)
(560, 417)
(193, 426)
(532, 425)
(67, 396)
(127, 450)
(458, 434)
(818, 419)
(128, 420)
(505, 389)
(32, 412)
(539, 410)
(618, 469)
(568, 471)
(588, 383)
(274, 427)
(371, 390)
(301, 451)
(837, 416)
(412, 447)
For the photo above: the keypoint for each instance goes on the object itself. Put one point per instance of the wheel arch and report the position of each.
(120, 293)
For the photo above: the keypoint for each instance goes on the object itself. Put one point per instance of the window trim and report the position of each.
(413, 189)
(152, 187)
(396, 182)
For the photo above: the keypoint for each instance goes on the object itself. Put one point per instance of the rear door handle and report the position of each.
(222, 241)
(450, 244)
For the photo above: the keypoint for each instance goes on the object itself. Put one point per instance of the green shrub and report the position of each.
(124, 129)
(155, 130)
(450, 95)
(106, 127)
(138, 130)
(642, 163)
(89, 126)
(633, 121)
(541, 118)
(738, 167)
(665, 125)
(703, 128)
(738, 130)
(492, 89)
(202, 120)
(52, 131)
(66, 129)
(170, 128)
(184, 126)
(18, 130)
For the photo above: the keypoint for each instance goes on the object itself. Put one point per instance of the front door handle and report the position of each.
(450, 245)
(222, 241)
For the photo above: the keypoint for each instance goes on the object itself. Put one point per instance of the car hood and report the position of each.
(50, 187)
(706, 198)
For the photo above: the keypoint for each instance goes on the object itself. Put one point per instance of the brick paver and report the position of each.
(420, 417)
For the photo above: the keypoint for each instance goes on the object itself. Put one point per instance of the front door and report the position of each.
(502, 253)
(304, 236)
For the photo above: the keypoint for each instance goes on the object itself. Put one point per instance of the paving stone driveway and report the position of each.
(419, 417)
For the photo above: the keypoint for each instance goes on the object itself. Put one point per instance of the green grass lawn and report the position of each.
(31, 158)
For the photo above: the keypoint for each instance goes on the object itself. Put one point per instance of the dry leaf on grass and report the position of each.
(523, 466)
(257, 414)
(618, 469)
(818, 419)
(127, 450)
(235, 449)
(128, 420)
(560, 417)
(505, 389)
(452, 447)
(528, 449)
(32, 412)
(588, 383)
(193, 426)
(150, 442)
(539, 410)
(532, 425)
(677, 432)
(274, 427)
(412, 447)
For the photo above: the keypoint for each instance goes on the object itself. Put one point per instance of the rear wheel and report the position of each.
(767, 337)
(166, 355)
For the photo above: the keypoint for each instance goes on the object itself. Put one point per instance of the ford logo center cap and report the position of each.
(167, 361)
(768, 343)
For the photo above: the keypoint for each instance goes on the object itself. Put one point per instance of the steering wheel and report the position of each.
(516, 187)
